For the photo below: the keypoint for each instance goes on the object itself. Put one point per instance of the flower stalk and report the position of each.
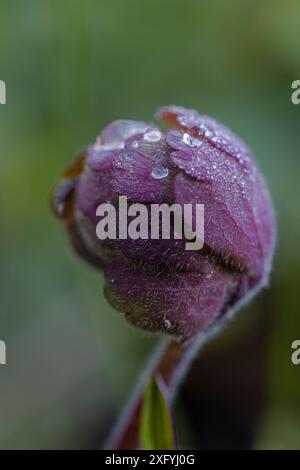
(171, 361)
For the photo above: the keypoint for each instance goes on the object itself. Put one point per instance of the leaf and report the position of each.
(157, 430)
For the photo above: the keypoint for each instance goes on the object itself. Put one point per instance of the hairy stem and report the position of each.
(171, 361)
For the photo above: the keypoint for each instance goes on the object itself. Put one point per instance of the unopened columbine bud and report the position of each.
(157, 283)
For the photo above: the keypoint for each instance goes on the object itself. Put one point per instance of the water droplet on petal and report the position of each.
(208, 133)
(154, 135)
(98, 143)
(160, 172)
(111, 146)
(127, 157)
(190, 140)
(134, 144)
(209, 275)
(188, 119)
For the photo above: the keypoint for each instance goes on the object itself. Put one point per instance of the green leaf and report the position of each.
(157, 431)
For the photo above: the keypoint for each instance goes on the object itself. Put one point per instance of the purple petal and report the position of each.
(179, 304)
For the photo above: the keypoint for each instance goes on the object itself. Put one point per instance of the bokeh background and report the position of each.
(71, 67)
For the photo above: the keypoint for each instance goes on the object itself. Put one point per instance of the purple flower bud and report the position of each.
(158, 284)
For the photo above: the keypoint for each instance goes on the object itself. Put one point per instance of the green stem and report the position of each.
(171, 361)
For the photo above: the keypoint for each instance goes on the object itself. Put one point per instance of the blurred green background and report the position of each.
(70, 67)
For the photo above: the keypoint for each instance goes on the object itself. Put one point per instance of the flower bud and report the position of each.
(158, 284)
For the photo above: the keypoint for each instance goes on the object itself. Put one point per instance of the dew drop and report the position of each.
(208, 133)
(111, 146)
(134, 144)
(159, 172)
(154, 135)
(98, 143)
(190, 140)
(127, 157)
(187, 120)
(209, 274)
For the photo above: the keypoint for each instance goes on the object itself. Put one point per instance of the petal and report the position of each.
(118, 131)
(237, 223)
(209, 130)
(140, 171)
(179, 304)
